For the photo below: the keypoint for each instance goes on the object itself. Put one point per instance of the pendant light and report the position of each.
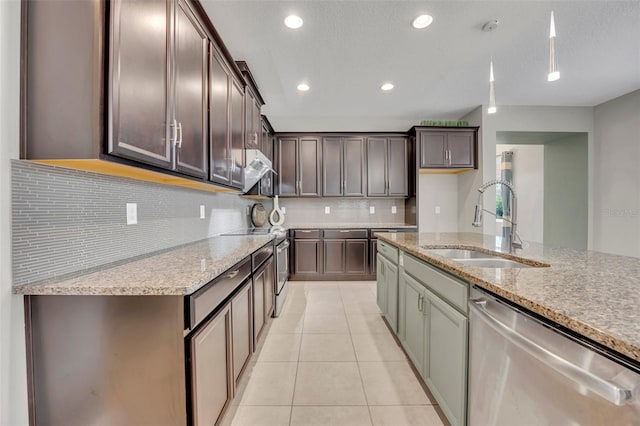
(491, 109)
(554, 74)
(492, 92)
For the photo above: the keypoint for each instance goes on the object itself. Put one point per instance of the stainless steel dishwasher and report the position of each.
(524, 371)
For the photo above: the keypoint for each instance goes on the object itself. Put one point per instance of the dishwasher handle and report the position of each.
(602, 387)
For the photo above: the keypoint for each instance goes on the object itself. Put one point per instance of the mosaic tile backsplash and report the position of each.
(68, 221)
(356, 210)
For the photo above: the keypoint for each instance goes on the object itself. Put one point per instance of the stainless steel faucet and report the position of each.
(514, 241)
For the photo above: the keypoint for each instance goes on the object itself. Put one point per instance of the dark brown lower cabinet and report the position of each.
(269, 288)
(212, 384)
(307, 259)
(334, 257)
(241, 315)
(356, 257)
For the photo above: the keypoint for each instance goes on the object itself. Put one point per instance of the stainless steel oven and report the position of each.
(282, 275)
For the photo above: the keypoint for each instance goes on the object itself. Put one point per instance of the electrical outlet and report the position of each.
(284, 210)
(202, 212)
(203, 265)
(327, 210)
(394, 210)
(132, 213)
(372, 210)
(437, 209)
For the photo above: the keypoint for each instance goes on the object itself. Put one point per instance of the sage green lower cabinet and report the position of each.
(387, 290)
(414, 325)
(445, 370)
(434, 332)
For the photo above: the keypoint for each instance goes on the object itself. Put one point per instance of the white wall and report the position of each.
(469, 182)
(438, 190)
(13, 381)
(528, 181)
(616, 227)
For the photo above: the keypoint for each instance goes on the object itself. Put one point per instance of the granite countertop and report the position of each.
(347, 225)
(594, 294)
(180, 271)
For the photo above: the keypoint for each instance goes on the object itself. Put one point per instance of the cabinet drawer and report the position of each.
(204, 301)
(261, 255)
(388, 251)
(450, 289)
(306, 233)
(345, 233)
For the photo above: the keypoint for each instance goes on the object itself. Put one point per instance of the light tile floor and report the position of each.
(330, 359)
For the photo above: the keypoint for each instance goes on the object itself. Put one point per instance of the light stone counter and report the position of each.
(596, 295)
(179, 271)
(346, 225)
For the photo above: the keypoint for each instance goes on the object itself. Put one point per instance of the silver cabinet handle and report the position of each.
(420, 302)
(449, 156)
(174, 132)
(345, 231)
(581, 377)
(179, 140)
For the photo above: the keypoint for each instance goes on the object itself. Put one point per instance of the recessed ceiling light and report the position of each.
(294, 22)
(386, 87)
(303, 87)
(422, 21)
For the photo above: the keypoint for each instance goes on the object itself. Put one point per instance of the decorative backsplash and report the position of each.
(68, 221)
(353, 210)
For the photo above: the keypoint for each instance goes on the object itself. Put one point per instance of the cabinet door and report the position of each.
(219, 131)
(381, 285)
(461, 149)
(258, 304)
(446, 363)
(432, 149)
(376, 167)
(266, 143)
(391, 278)
(237, 134)
(211, 369)
(354, 168)
(269, 288)
(190, 93)
(252, 117)
(413, 321)
(397, 168)
(307, 257)
(287, 157)
(139, 111)
(332, 177)
(241, 323)
(334, 257)
(373, 255)
(356, 257)
(309, 166)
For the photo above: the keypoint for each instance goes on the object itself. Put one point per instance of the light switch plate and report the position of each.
(394, 210)
(372, 210)
(327, 210)
(203, 265)
(284, 210)
(202, 212)
(437, 209)
(132, 213)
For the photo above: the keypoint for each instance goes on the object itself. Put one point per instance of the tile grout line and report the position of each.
(364, 392)
(295, 380)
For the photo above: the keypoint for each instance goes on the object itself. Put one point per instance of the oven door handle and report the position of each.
(283, 245)
(605, 388)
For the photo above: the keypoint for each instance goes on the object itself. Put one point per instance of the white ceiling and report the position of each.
(347, 49)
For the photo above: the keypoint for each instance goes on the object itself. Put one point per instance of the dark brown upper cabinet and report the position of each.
(387, 166)
(343, 171)
(253, 103)
(226, 117)
(447, 148)
(267, 140)
(162, 121)
(299, 165)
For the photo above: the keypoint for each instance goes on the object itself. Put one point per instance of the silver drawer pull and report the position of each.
(345, 231)
(233, 274)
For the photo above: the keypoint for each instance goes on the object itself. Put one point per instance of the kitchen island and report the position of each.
(594, 294)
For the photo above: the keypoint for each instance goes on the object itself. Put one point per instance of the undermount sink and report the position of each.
(461, 254)
(478, 259)
(494, 262)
